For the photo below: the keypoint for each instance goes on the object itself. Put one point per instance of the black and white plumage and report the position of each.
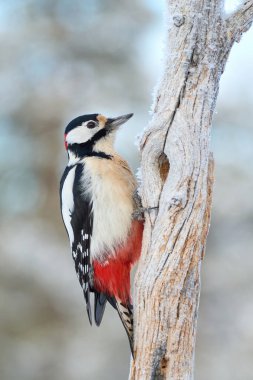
(81, 223)
(78, 218)
(97, 206)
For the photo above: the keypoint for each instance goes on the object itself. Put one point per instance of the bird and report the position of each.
(100, 210)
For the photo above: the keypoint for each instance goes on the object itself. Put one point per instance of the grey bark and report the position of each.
(177, 176)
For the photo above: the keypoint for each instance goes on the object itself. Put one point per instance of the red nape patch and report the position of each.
(65, 141)
(113, 276)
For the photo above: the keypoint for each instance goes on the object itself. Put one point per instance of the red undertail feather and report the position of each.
(113, 278)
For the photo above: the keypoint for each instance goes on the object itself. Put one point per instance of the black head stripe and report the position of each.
(85, 150)
(79, 120)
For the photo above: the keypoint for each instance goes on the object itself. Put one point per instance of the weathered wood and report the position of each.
(177, 176)
(240, 21)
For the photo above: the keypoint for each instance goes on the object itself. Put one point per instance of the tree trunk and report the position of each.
(177, 176)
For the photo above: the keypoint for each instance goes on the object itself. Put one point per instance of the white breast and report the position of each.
(68, 202)
(111, 194)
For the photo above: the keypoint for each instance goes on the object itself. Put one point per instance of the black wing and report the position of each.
(81, 221)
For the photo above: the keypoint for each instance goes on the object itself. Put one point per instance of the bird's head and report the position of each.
(88, 130)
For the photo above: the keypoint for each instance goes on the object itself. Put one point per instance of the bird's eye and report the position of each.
(91, 124)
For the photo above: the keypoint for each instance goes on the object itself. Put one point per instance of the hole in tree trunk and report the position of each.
(164, 363)
(164, 166)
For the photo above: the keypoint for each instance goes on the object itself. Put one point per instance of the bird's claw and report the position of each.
(139, 213)
(140, 210)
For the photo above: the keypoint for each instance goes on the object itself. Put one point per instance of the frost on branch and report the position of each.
(240, 20)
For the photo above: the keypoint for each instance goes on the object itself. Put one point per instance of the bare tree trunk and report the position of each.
(177, 176)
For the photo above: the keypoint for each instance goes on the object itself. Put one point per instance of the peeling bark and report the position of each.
(177, 173)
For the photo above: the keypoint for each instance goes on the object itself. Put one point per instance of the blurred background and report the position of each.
(63, 58)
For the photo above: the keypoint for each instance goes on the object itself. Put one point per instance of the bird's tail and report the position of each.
(99, 306)
(125, 311)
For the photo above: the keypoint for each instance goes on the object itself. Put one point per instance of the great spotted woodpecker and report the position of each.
(98, 206)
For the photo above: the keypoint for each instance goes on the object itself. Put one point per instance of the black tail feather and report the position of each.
(88, 308)
(125, 311)
(112, 301)
(99, 306)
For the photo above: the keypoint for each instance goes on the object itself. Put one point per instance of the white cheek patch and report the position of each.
(81, 134)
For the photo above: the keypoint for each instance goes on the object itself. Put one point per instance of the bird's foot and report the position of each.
(140, 210)
(139, 213)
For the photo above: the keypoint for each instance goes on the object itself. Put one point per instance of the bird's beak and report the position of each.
(112, 123)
